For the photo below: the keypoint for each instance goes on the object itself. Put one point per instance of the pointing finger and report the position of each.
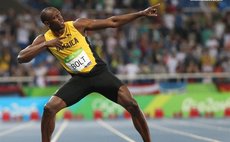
(156, 5)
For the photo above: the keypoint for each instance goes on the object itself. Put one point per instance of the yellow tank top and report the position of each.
(76, 57)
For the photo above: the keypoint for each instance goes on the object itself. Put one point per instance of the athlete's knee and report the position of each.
(54, 106)
(49, 109)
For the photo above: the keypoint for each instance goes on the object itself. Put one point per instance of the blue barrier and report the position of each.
(172, 87)
(22, 106)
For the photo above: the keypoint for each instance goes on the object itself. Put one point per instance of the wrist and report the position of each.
(141, 13)
(44, 44)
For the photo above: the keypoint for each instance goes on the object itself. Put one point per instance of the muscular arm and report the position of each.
(38, 45)
(114, 21)
(32, 50)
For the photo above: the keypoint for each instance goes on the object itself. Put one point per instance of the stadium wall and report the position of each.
(203, 98)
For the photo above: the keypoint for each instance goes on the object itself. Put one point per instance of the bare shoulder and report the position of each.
(81, 24)
(81, 21)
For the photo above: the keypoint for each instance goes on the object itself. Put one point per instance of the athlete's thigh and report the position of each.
(74, 90)
(107, 84)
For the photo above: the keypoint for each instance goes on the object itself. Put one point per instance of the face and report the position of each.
(56, 21)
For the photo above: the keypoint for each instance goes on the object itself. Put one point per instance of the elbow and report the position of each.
(24, 56)
(114, 22)
(21, 59)
(115, 25)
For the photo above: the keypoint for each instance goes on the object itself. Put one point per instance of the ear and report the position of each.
(47, 23)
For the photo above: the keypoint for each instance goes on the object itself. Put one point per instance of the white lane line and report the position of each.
(114, 131)
(17, 128)
(214, 121)
(200, 125)
(60, 130)
(191, 135)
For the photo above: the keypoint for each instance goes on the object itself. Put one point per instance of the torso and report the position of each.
(77, 57)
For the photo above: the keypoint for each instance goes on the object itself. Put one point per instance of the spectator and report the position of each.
(199, 41)
(172, 63)
(5, 59)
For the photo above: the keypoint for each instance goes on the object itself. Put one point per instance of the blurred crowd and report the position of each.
(180, 40)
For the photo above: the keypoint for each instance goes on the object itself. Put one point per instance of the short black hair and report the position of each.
(43, 15)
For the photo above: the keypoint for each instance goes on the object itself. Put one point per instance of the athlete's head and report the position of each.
(52, 18)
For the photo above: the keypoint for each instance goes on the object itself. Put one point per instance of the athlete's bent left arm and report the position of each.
(114, 21)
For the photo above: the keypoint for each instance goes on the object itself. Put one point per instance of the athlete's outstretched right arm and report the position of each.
(38, 45)
(84, 24)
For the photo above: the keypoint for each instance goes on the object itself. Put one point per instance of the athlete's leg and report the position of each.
(112, 88)
(54, 105)
(70, 93)
(126, 100)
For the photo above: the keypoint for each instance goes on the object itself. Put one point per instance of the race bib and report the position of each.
(78, 60)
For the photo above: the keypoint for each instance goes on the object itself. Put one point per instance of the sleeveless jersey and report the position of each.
(77, 57)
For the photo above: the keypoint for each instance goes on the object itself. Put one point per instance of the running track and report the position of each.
(162, 130)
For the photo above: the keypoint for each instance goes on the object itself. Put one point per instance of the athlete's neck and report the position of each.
(59, 32)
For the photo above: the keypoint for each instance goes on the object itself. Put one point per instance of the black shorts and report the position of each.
(78, 87)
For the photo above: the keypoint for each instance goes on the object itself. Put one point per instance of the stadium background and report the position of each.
(187, 38)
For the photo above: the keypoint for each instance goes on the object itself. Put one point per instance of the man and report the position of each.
(66, 41)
